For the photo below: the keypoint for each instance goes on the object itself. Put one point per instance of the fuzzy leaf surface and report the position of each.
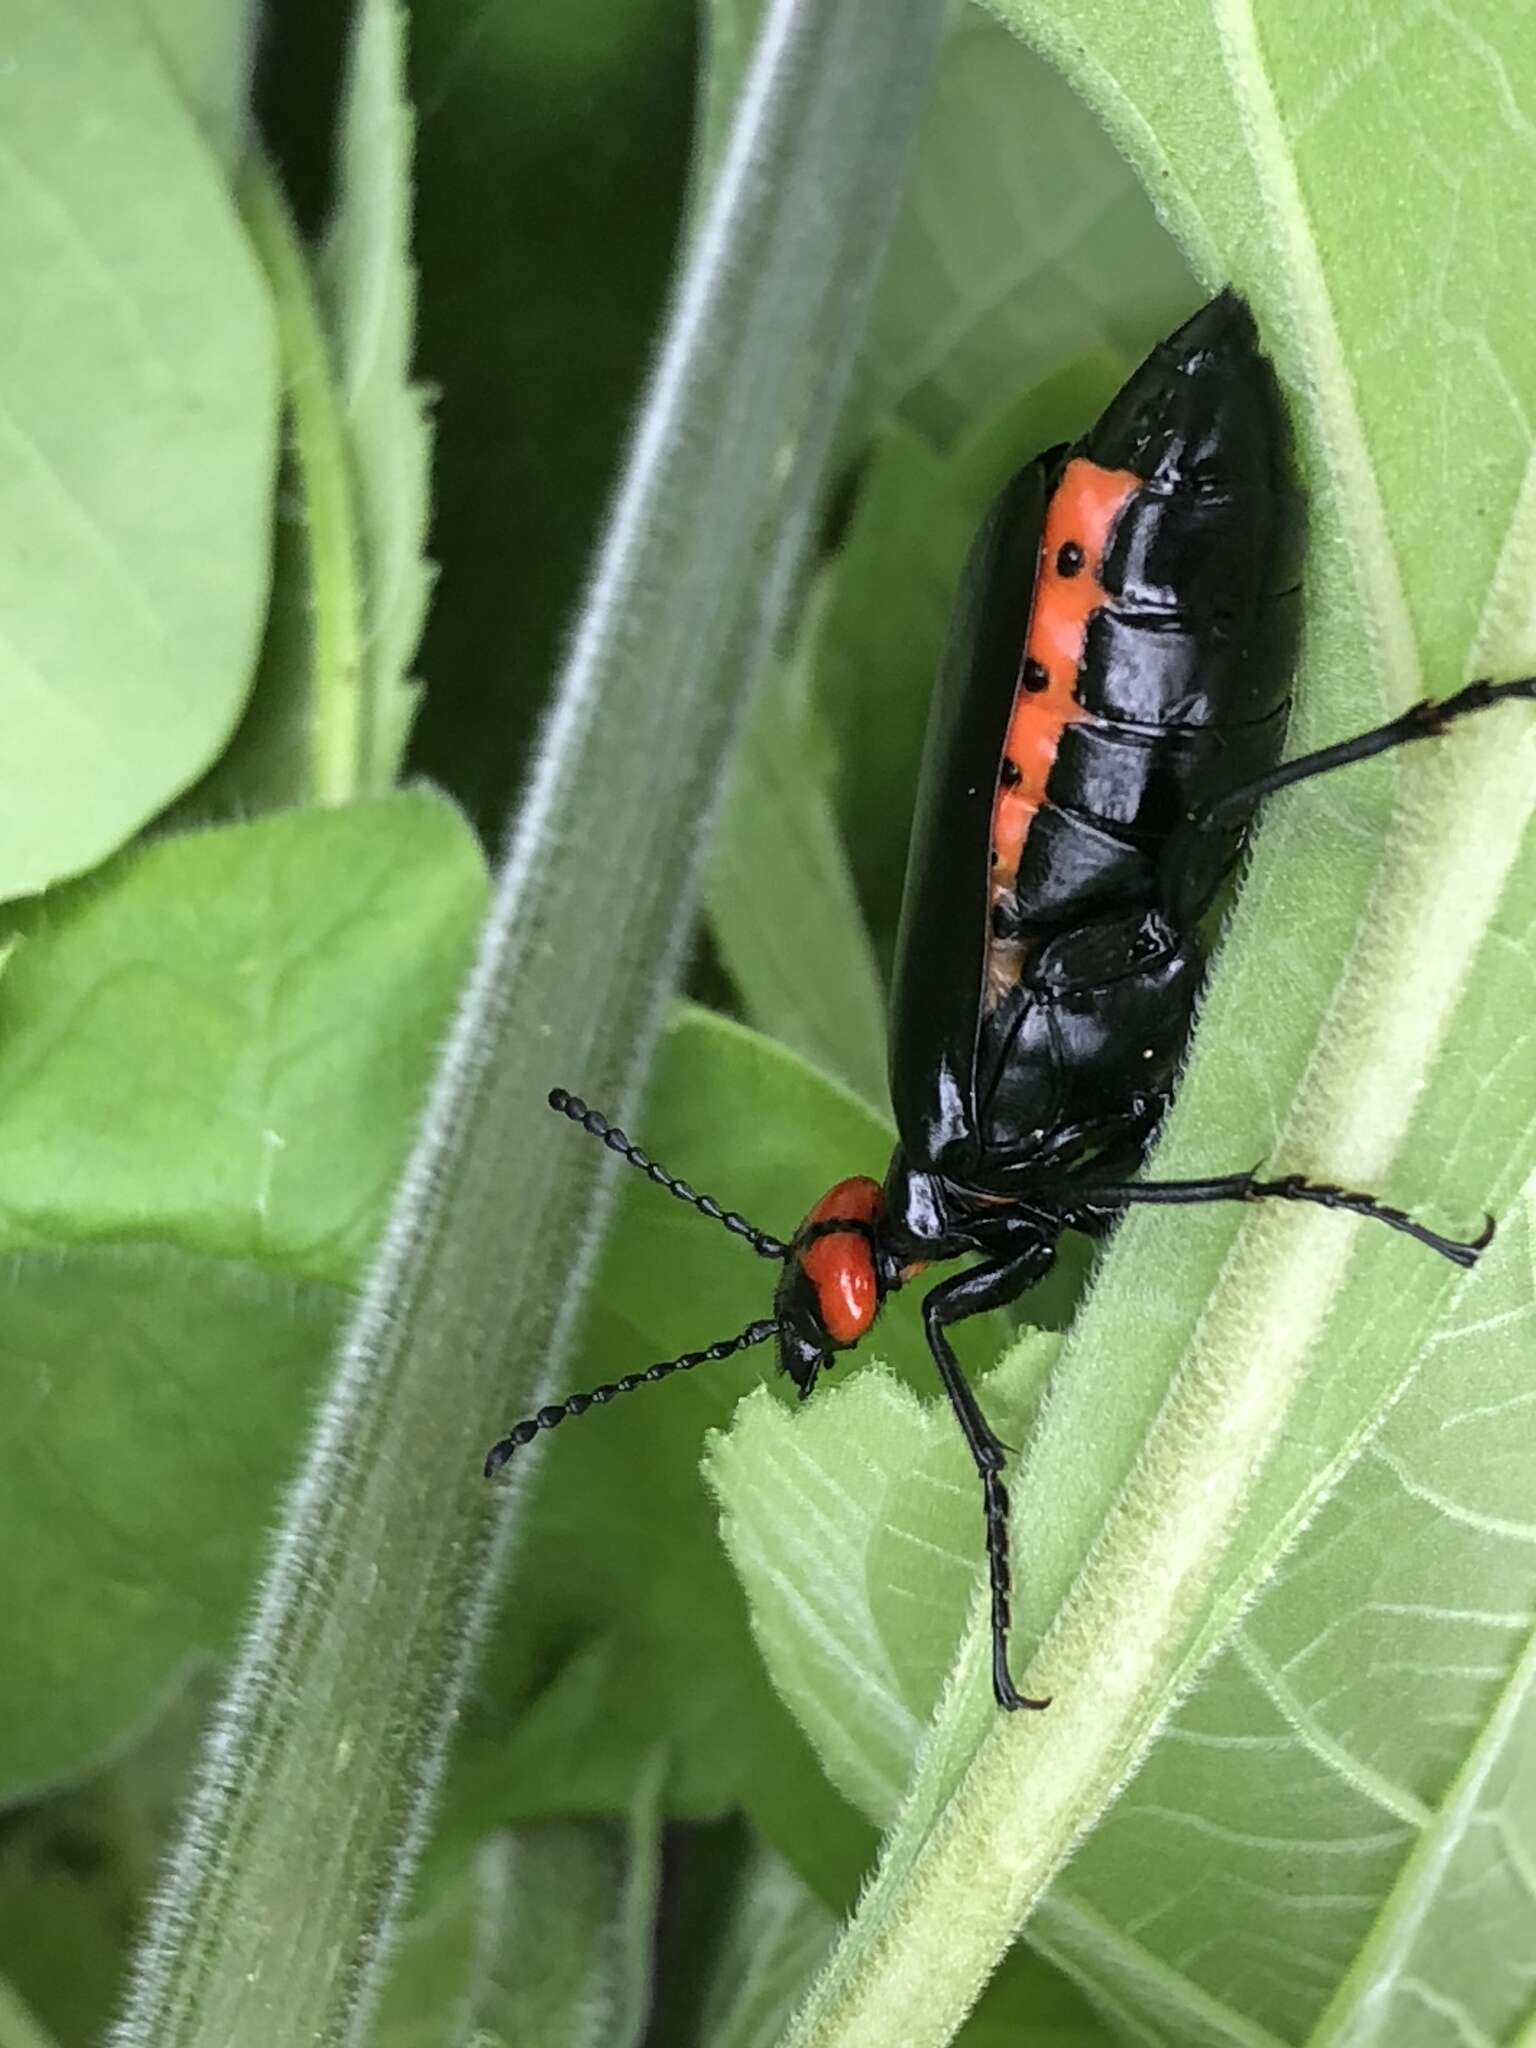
(214, 1050)
(210, 52)
(781, 897)
(220, 1041)
(1024, 240)
(138, 416)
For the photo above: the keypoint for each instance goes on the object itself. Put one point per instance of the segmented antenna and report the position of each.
(578, 1404)
(593, 1121)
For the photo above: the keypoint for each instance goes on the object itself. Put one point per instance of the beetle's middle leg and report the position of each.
(991, 1286)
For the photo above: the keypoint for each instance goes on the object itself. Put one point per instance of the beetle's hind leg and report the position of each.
(1426, 720)
(1097, 1206)
(990, 1286)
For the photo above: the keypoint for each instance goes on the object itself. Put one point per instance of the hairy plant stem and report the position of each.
(319, 1779)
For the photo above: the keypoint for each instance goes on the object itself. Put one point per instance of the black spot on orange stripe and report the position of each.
(1078, 522)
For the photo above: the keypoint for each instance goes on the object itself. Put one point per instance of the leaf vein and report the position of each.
(1328, 1750)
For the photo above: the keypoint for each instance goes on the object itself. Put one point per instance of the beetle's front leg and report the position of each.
(991, 1286)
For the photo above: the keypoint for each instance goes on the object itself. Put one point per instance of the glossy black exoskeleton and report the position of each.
(1110, 714)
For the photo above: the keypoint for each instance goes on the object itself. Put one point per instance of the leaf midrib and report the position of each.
(1375, 1971)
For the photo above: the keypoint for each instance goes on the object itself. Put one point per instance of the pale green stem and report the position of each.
(335, 727)
(304, 1833)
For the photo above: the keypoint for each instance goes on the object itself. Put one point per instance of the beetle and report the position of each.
(1110, 713)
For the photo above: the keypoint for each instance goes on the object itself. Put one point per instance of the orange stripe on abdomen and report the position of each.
(1068, 591)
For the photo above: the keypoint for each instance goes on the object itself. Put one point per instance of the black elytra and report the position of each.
(1109, 715)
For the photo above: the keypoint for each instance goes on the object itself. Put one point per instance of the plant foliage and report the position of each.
(299, 302)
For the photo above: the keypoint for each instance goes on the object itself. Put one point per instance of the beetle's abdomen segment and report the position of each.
(833, 1257)
(1079, 521)
(1083, 1054)
(1183, 654)
(1067, 591)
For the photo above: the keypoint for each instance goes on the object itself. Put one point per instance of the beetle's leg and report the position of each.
(971, 1294)
(1095, 1220)
(1090, 1207)
(1425, 720)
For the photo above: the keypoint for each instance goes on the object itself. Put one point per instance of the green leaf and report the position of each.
(270, 762)
(632, 1940)
(777, 1934)
(1026, 241)
(855, 1527)
(222, 1041)
(18, 2027)
(152, 1399)
(782, 904)
(62, 1940)
(1297, 1852)
(542, 1934)
(1349, 1782)
(1031, 2004)
(559, 1882)
(77, 1865)
(745, 1936)
(214, 1055)
(210, 52)
(304, 737)
(371, 291)
(139, 439)
(383, 1570)
(878, 637)
(331, 711)
(437, 1973)
(575, 1939)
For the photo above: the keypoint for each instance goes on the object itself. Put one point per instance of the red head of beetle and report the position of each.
(833, 1284)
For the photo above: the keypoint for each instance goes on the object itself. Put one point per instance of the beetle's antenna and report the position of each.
(578, 1404)
(598, 1125)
